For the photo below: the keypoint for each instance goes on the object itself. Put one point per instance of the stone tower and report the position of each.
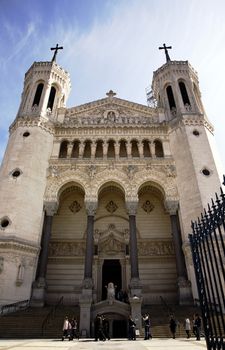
(23, 177)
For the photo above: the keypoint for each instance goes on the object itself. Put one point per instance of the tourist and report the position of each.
(146, 320)
(173, 326)
(66, 329)
(131, 329)
(197, 324)
(187, 327)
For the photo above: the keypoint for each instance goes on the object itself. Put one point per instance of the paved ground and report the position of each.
(114, 344)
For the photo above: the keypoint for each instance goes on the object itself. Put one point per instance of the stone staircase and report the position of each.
(28, 323)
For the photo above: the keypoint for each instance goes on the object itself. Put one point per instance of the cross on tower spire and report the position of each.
(166, 52)
(56, 51)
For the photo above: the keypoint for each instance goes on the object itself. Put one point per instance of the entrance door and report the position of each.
(111, 272)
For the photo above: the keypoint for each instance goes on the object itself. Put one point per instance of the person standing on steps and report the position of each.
(173, 326)
(131, 329)
(66, 329)
(187, 327)
(146, 320)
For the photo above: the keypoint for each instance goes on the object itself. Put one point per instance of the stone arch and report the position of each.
(53, 187)
(166, 185)
(114, 176)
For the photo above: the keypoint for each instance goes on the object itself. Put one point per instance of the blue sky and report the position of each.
(112, 44)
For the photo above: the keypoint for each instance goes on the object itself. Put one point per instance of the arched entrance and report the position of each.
(111, 272)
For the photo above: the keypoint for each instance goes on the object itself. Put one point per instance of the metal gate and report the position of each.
(208, 251)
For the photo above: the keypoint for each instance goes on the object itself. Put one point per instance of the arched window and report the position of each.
(158, 149)
(87, 149)
(51, 98)
(75, 150)
(38, 93)
(123, 149)
(63, 149)
(170, 96)
(111, 149)
(134, 148)
(99, 149)
(184, 93)
(146, 149)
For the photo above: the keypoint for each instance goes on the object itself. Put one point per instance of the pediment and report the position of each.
(110, 110)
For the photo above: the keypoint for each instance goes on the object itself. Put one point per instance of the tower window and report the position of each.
(196, 133)
(4, 222)
(206, 172)
(51, 98)
(184, 93)
(170, 96)
(16, 173)
(26, 134)
(38, 93)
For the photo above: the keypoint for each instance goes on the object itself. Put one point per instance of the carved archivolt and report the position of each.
(130, 186)
(56, 183)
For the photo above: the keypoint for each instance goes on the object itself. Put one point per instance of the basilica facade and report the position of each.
(103, 194)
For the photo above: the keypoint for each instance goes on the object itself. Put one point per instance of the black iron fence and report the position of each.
(208, 251)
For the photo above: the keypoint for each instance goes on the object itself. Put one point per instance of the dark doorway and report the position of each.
(111, 272)
(119, 329)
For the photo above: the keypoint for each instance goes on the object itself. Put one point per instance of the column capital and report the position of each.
(91, 207)
(131, 206)
(50, 208)
(171, 206)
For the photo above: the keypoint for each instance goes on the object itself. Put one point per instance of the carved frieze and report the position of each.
(59, 248)
(155, 248)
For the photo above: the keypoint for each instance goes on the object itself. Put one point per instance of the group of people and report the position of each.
(132, 331)
(101, 328)
(196, 326)
(70, 329)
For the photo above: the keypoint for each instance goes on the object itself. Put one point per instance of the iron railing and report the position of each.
(208, 250)
(51, 315)
(13, 307)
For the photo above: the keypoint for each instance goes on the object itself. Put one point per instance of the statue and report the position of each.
(110, 291)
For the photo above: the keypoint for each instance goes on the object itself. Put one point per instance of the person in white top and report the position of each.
(66, 329)
(187, 327)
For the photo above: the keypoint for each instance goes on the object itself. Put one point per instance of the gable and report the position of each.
(111, 111)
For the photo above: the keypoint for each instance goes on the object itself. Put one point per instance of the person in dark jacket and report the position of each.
(131, 329)
(173, 326)
(197, 324)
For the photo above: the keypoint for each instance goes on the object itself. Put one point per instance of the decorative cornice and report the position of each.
(16, 244)
(28, 121)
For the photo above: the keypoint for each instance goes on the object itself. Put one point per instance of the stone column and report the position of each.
(117, 150)
(128, 149)
(93, 149)
(141, 149)
(184, 286)
(86, 296)
(105, 149)
(152, 149)
(81, 149)
(135, 281)
(39, 286)
(69, 149)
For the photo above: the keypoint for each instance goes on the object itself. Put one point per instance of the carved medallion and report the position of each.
(111, 207)
(75, 207)
(148, 207)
